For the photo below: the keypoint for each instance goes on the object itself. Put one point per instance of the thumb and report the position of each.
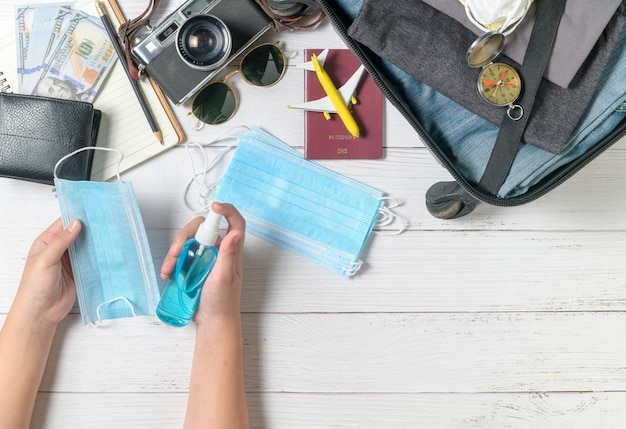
(231, 252)
(59, 244)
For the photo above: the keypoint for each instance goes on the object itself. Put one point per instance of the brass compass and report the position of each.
(498, 83)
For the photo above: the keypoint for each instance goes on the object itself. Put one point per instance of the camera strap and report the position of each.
(127, 31)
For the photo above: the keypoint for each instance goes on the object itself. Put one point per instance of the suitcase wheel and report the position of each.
(448, 200)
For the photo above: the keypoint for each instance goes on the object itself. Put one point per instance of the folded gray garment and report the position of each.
(431, 46)
(582, 24)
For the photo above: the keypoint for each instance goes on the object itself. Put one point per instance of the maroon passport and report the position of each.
(329, 139)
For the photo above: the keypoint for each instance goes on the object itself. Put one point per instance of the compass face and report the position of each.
(499, 84)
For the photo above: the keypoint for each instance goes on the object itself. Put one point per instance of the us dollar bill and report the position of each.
(24, 16)
(38, 27)
(78, 62)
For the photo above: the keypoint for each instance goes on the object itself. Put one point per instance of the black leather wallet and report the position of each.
(35, 132)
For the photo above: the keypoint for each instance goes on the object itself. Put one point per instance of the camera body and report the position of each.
(193, 44)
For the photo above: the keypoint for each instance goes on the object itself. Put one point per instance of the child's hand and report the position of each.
(222, 290)
(47, 291)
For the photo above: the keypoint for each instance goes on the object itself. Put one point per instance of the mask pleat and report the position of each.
(145, 299)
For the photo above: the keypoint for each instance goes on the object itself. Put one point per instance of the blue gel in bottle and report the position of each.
(182, 292)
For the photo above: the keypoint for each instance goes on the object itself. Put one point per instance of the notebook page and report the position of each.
(123, 125)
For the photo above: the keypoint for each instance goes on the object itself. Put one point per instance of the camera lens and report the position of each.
(204, 42)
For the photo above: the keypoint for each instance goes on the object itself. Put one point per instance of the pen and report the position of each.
(335, 98)
(120, 55)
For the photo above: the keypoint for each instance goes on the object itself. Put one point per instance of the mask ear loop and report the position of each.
(200, 177)
(98, 323)
(352, 270)
(82, 149)
(388, 217)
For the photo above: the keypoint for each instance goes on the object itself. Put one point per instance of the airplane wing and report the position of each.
(321, 58)
(348, 89)
(324, 104)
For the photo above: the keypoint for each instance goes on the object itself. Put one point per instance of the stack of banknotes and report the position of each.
(61, 52)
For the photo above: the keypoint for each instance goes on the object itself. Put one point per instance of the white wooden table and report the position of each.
(506, 318)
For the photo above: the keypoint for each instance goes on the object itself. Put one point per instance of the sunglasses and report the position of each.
(217, 102)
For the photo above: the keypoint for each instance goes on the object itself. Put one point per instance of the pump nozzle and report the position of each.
(209, 229)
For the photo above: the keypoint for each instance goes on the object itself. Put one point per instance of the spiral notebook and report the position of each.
(8, 60)
(123, 125)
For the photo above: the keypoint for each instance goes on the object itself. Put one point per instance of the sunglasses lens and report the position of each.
(215, 104)
(263, 66)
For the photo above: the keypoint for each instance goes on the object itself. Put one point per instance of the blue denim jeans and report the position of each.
(467, 140)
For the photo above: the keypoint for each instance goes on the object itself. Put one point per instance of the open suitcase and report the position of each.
(462, 141)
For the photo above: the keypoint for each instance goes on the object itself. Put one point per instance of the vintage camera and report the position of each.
(193, 44)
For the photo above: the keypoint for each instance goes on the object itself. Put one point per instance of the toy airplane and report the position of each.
(336, 100)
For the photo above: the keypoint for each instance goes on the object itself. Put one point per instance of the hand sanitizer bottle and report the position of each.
(181, 295)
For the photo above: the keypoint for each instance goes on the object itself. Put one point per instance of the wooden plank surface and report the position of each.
(368, 411)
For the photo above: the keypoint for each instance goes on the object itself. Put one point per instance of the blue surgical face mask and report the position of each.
(111, 261)
(300, 205)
